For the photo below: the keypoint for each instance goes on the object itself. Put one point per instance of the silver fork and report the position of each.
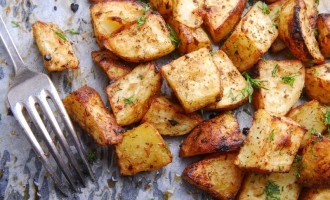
(29, 90)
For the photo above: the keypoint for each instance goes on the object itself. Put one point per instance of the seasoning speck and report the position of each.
(55, 8)
(74, 7)
(47, 57)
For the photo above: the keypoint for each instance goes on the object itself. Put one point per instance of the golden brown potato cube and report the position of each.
(323, 27)
(164, 7)
(191, 39)
(270, 186)
(109, 17)
(222, 16)
(315, 162)
(114, 67)
(216, 174)
(251, 38)
(232, 81)
(169, 118)
(311, 115)
(130, 96)
(194, 79)
(318, 83)
(85, 106)
(284, 82)
(54, 47)
(220, 134)
(142, 149)
(189, 12)
(295, 30)
(271, 144)
(315, 194)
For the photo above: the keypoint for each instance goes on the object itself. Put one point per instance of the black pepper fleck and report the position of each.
(245, 131)
(47, 57)
(55, 8)
(74, 7)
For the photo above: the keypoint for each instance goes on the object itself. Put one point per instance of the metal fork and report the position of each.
(29, 90)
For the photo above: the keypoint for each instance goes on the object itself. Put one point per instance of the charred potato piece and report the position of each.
(315, 162)
(130, 96)
(191, 39)
(111, 16)
(270, 186)
(271, 144)
(114, 67)
(251, 38)
(318, 83)
(147, 39)
(232, 81)
(323, 27)
(216, 174)
(189, 12)
(284, 82)
(222, 16)
(297, 33)
(303, 115)
(315, 194)
(142, 149)
(85, 106)
(220, 134)
(164, 7)
(169, 118)
(54, 47)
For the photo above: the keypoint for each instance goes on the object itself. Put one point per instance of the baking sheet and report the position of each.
(21, 173)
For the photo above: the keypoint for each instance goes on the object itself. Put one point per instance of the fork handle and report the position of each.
(11, 48)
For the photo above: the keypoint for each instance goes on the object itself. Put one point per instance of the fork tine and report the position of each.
(43, 103)
(68, 124)
(37, 148)
(49, 142)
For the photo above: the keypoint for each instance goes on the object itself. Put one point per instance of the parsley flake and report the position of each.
(15, 24)
(130, 100)
(141, 77)
(251, 82)
(61, 35)
(298, 164)
(274, 71)
(91, 156)
(272, 135)
(73, 32)
(272, 191)
(146, 7)
(264, 8)
(290, 79)
(173, 36)
(141, 20)
(327, 119)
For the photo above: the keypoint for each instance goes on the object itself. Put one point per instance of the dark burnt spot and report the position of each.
(130, 167)
(204, 140)
(172, 122)
(223, 147)
(245, 131)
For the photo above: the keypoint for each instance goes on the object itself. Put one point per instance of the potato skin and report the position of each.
(318, 83)
(164, 7)
(296, 32)
(87, 109)
(189, 12)
(50, 42)
(323, 27)
(114, 67)
(315, 194)
(220, 134)
(216, 174)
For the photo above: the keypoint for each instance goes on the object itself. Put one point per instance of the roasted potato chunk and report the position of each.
(169, 118)
(303, 115)
(222, 16)
(323, 27)
(142, 149)
(270, 186)
(194, 79)
(114, 67)
(189, 12)
(216, 175)
(311, 11)
(315, 194)
(251, 38)
(109, 17)
(130, 96)
(191, 39)
(271, 144)
(315, 162)
(284, 82)
(145, 40)
(297, 33)
(164, 7)
(85, 106)
(54, 47)
(220, 134)
(318, 83)
(232, 81)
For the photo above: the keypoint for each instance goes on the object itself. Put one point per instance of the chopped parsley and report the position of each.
(272, 191)
(327, 119)
(313, 131)
(141, 20)
(298, 164)
(174, 38)
(146, 7)
(290, 79)
(15, 24)
(91, 156)
(61, 35)
(251, 82)
(264, 8)
(274, 71)
(73, 32)
(130, 100)
(316, 32)
(213, 52)
(272, 135)
(141, 77)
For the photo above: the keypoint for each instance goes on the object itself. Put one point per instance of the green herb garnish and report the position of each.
(313, 131)
(141, 77)
(146, 7)
(298, 163)
(272, 191)
(290, 79)
(141, 20)
(73, 32)
(174, 38)
(274, 70)
(327, 119)
(272, 135)
(251, 82)
(91, 156)
(61, 35)
(130, 100)
(264, 8)
(15, 24)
